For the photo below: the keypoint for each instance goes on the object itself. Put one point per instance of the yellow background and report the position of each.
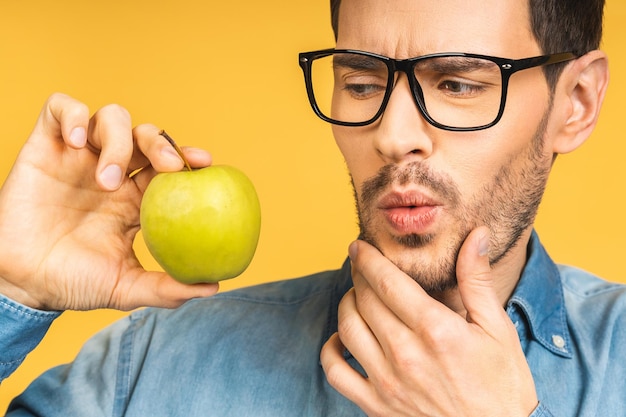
(224, 76)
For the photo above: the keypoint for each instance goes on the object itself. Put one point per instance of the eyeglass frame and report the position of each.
(507, 67)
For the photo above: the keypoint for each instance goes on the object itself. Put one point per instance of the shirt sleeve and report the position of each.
(21, 330)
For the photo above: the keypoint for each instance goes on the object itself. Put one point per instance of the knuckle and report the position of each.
(333, 376)
(365, 296)
(148, 136)
(347, 327)
(389, 386)
(55, 97)
(394, 393)
(63, 106)
(403, 355)
(146, 128)
(440, 338)
(78, 111)
(384, 286)
(115, 110)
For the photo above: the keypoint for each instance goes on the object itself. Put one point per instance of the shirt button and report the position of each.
(558, 341)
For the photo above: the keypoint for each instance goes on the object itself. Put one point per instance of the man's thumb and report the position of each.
(474, 277)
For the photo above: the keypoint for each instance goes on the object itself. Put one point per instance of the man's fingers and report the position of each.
(155, 154)
(107, 134)
(357, 335)
(405, 297)
(63, 116)
(342, 376)
(110, 134)
(120, 149)
(155, 149)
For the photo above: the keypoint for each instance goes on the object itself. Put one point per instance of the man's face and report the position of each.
(420, 190)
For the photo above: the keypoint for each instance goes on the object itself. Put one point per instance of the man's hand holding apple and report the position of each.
(69, 212)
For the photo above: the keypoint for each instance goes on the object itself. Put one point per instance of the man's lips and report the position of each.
(409, 212)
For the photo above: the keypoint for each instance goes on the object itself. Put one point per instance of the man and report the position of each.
(449, 154)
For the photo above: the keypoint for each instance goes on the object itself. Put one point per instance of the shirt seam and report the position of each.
(40, 316)
(124, 374)
(610, 288)
(11, 363)
(227, 296)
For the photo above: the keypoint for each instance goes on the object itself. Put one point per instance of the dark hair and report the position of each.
(558, 25)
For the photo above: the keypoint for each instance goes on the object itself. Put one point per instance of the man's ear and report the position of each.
(578, 98)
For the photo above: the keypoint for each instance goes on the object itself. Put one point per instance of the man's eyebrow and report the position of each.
(452, 64)
(355, 61)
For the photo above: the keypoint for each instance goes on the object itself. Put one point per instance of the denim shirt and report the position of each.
(255, 351)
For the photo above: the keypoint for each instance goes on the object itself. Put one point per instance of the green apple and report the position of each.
(201, 225)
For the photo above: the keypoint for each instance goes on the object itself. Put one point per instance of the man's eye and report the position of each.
(460, 88)
(363, 91)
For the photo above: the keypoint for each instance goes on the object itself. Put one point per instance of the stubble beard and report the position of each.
(507, 206)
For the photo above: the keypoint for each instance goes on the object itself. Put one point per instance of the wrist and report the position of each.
(19, 295)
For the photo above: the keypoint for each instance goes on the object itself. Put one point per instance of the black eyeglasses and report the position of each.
(453, 91)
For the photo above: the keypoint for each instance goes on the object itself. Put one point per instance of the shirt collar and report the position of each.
(539, 296)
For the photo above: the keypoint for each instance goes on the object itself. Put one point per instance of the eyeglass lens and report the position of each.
(455, 91)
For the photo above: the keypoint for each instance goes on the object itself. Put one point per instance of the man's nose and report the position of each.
(401, 134)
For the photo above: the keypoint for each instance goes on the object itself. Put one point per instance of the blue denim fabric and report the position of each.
(21, 330)
(255, 351)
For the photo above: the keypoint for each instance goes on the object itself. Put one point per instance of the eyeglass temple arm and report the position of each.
(537, 61)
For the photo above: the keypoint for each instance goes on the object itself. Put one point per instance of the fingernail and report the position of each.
(353, 250)
(78, 137)
(483, 245)
(111, 177)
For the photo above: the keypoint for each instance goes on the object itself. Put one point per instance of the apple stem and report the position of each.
(176, 147)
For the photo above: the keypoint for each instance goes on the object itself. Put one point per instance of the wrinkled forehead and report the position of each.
(407, 28)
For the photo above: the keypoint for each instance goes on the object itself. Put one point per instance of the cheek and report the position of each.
(343, 140)
(475, 160)
(469, 161)
(355, 147)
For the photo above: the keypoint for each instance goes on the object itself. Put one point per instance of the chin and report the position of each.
(433, 268)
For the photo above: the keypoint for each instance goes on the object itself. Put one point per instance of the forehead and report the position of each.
(407, 28)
